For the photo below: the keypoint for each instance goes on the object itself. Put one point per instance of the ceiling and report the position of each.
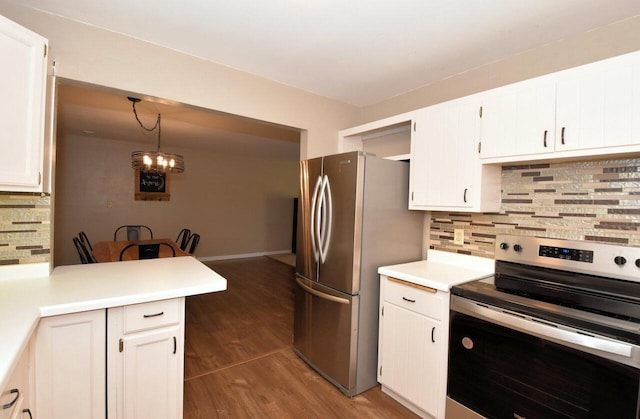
(359, 52)
(356, 51)
(89, 111)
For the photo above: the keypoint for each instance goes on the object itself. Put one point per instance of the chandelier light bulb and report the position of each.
(155, 161)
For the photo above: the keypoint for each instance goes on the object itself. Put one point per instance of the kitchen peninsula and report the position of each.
(119, 294)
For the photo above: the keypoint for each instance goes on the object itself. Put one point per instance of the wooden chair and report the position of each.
(147, 250)
(134, 232)
(183, 239)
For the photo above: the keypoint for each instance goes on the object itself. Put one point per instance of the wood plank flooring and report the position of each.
(239, 361)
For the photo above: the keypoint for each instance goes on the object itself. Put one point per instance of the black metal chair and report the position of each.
(85, 240)
(183, 238)
(83, 252)
(147, 250)
(134, 232)
(194, 239)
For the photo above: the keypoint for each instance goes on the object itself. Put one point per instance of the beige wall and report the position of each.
(239, 204)
(605, 42)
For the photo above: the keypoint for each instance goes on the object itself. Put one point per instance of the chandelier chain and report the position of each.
(133, 104)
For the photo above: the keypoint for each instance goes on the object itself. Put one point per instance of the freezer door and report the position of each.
(344, 175)
(306, 247)
(325, 330)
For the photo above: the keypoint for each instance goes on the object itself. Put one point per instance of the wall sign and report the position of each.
(152, 186)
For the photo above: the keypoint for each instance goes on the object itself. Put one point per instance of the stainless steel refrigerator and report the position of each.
(352, 218)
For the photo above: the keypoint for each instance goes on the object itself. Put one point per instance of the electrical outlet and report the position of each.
(458, 236)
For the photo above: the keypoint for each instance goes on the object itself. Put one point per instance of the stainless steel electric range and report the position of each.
(554, 334)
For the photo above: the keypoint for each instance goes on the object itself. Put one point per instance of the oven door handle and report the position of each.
(541, 328)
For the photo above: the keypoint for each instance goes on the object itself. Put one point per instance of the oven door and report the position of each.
(500, 372)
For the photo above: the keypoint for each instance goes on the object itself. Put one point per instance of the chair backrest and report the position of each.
(193, 242)
(85, 240)
(134, 232)
(183, 238)
(147, 250)
(78, 244)
(85, 254)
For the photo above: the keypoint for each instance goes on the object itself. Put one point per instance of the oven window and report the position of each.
(502, 373)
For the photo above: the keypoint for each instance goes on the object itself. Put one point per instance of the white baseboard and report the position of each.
(241, 256)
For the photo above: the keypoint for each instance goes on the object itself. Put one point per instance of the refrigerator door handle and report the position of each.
(321, 294)
(313, 217)
(328, 215)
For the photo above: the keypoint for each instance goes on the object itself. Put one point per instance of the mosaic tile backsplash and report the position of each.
(596, 201)
(25, 228)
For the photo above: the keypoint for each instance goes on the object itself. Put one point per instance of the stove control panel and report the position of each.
(610, 260)
(566, 253)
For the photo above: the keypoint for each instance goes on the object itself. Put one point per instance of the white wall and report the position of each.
(605, 42)
(88, 54)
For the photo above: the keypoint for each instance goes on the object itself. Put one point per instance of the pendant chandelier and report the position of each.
(154, 161)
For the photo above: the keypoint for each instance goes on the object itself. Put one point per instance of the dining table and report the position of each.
(109, 251)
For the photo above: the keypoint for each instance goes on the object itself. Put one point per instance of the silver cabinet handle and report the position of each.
(175, 345)
(464, 196)
(545, 139)
(433, 336)
(562, 136)
(408, 299)
(12, 402)
(146, 316)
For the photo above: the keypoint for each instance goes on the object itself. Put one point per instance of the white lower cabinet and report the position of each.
(145, 358)
(122, 362)
(412, 351)
(15, 399)
(70, 366)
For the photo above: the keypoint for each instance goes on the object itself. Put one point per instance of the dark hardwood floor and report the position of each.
(239, 361)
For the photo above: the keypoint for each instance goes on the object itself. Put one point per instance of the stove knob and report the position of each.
(505, 246)
(517, 248)
(638, 263)
(619, 260)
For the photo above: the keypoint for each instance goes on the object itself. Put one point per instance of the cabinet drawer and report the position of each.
(152, 315)
(423, 300)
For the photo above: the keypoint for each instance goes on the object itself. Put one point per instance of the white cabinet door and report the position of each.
(446, 172)
(410, 361)
(145, 357)
(599, 104)
(22, 104)
(70, 366)
(15, 398)
(519, 119)
(152, 374)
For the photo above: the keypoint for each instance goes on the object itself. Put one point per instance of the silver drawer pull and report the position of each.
(408, 299)
(12, 402)
(146, 316)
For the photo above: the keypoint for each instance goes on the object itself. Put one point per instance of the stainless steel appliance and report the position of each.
(352, 218)
(556, 335)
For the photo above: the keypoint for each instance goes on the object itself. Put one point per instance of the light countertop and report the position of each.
(30, 293)
(442, 270)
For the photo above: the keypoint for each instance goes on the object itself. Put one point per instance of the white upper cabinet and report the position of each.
(22, 106)
(446, 173)
(586, 111)
(519, 119)
(598, 105)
